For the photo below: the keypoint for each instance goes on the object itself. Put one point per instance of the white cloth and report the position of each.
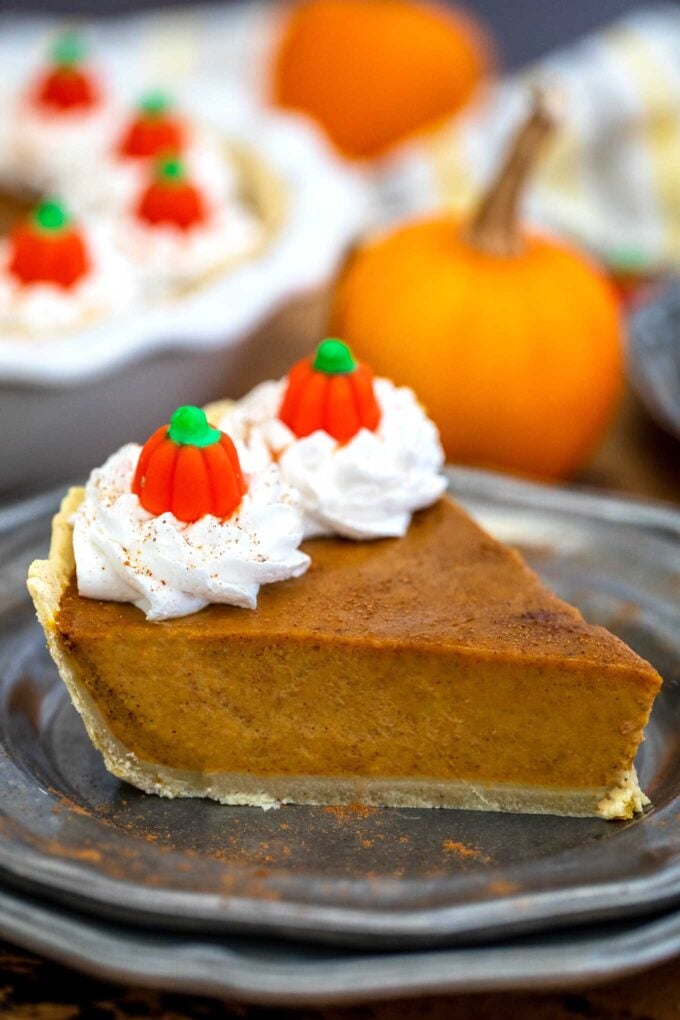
(609, 179)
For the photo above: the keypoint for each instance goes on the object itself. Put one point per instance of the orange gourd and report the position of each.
(512, 340)
(47, 248)
(153, 131)
(189, 469)
(331, 393)
(373, 72)
(66, 85)
(171, 200)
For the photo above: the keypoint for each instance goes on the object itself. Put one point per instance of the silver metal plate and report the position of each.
(71, 832)
(654, 354)
(273, 973)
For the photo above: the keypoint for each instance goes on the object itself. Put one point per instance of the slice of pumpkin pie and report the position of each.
(417, 662)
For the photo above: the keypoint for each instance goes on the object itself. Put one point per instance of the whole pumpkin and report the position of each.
(512, 340)
(67, 84)
(48, 248)
(189, 469)
(170, 199)
(154, 130)
(372, 72)
(330, 392)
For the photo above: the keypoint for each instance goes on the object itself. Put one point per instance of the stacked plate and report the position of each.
(654, 354)
(317, 905)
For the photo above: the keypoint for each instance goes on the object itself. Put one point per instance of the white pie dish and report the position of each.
(66, 401)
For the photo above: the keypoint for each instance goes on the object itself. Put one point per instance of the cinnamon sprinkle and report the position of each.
(345, 812)
(464, 852)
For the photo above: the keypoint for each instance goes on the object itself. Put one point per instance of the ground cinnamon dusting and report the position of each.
(343, 812)
(502, 888)
(66, 804)
(463, 852)
(90, 856)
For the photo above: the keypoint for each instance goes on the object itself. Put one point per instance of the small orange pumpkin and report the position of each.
(373, 72)
(331, 393)
(48, 249)
(171, 200)
(512, 340)
(189, 469)
(154, 130)
(66, 85)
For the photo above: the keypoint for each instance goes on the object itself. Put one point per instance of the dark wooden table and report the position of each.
(636, 458)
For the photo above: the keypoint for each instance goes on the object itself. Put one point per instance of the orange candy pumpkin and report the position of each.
(48, 249)
(171, 200)
(373, 72)
(330, 392)
(189, 469)
(66, 85)
(512, 340)
(153, 131)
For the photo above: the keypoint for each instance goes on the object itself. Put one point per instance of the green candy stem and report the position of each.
(154, 104)
(189, 427)
(333, 357)
(68, 50)
(51, 216)
(170, 170)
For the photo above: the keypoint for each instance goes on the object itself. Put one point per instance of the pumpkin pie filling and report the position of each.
(438, 661)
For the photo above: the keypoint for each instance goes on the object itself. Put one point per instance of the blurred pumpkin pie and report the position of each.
(168, 204)
(211, 654)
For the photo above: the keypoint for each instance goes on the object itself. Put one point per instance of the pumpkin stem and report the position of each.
(170, 170)
(333, 357)
(68, 50)
(154, 104)
(51, 216)
(189, 427)
(494, 228)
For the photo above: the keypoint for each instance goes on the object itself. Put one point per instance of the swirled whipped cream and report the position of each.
(112, 182)
(46, 151)
(46, 309)
(169, 569)
(168, 257)
(366, 488)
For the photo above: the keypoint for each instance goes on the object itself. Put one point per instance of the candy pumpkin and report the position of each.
(512, 340)
(67, 85)
(189, 469)
(372, 72)
(170, 199)
(48, 248)
(330, 392)
(153, 131)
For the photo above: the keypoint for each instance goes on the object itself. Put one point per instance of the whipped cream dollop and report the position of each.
(44, 309)
(47, 151)
(167, 568)
(168, 257)
(366, 488)
(112, 183)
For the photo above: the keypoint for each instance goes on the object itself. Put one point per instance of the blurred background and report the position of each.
(315, 134)
(552, 24)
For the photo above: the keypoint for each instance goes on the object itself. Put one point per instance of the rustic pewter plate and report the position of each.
(269, 972)
(71, 832)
